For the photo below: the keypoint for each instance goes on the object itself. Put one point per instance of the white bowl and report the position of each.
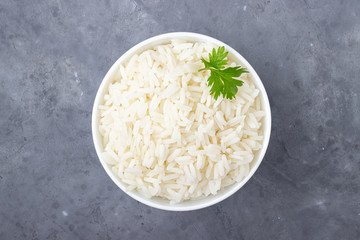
(223, 193)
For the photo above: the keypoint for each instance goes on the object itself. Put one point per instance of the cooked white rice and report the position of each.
(165, 135)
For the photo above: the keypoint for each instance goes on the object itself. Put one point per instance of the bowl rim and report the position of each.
(184, 35)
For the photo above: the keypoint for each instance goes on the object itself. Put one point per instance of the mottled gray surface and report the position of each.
(53, 55)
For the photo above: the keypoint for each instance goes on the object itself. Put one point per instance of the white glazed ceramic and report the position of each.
(190, 204)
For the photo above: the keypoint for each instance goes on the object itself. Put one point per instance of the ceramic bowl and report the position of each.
(190, 204)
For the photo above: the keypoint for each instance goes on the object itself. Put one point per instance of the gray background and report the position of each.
(53, 55)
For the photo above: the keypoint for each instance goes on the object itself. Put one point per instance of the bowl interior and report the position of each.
(223, 193)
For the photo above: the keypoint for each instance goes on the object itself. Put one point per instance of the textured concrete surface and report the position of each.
(53, 55)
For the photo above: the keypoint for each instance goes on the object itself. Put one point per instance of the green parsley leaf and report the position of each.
(222, 80)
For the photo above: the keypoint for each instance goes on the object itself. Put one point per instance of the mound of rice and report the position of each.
(165, 135)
